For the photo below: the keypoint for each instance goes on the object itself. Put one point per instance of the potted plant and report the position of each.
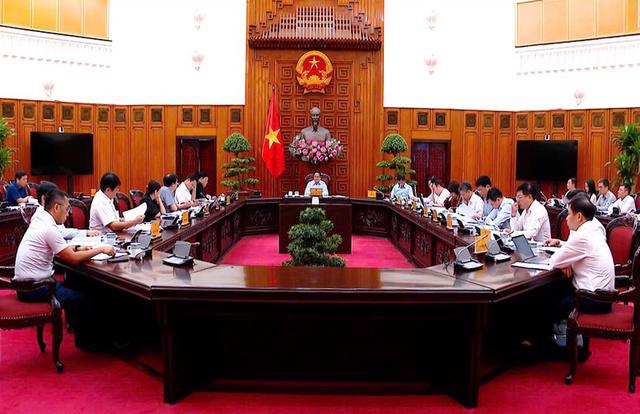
(393, 144)
(239, 166)
(5, 152)
(628, 161)
(310, 243)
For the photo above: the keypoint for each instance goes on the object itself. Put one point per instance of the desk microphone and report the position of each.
(462, 253)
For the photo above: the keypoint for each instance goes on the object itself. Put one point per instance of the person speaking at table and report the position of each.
(318, 184)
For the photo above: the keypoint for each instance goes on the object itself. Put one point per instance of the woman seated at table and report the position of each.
(155, 208)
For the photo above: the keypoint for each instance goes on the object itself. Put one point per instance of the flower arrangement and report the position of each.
(315, 152)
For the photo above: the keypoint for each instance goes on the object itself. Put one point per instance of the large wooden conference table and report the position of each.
(428, 329)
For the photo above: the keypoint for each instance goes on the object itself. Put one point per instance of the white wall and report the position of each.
(147, 62)
(480, 68)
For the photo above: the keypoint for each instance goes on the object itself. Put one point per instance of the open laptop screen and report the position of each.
(522, 246)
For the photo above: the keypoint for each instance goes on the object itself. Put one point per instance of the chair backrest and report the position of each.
(33, 189)
(324, 177)
(136, 197)
(637, 198)
(622, 238)
(562, 227)
(78, 216)
(3, 191)
(122, 203)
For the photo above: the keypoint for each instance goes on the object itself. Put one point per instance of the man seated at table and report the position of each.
(439, 194)
(67, 233)
(588, 254)
(201, 184)
(34, 260)
(483, 185)
(186, 192)
(401, 189)
(103, 215)
(17, 190)
(571, 185)
(605, 197)
(155, 207)
(500, 216)
(533, 222)
(625, 203)
(471, 204)
(316, 183)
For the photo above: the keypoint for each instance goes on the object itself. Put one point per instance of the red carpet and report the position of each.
(104, 384)
(366, 251)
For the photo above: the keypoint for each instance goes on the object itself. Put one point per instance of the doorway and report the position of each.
(430, 158)
(195, 154)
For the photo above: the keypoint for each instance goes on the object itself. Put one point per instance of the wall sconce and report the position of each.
(198, 18)
(578, 94)
(47, 87)
(197, 59)
(431, 63)
(432, 19)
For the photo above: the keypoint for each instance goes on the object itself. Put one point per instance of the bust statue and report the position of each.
(315, 132)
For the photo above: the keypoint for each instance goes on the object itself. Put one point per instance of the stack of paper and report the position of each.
(135, 212)
(85, 241)
(102, 256)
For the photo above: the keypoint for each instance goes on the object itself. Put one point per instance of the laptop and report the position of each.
(526, 252)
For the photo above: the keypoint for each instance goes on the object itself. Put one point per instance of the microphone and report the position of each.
(462, 253)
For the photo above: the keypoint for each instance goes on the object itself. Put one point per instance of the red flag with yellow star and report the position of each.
(273, 146)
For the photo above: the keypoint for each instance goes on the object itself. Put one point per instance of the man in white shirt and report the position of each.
(186, 192)
(401, 188)
(439, 194)
(68, 233)
(571, 185)
(500, 216)
(605, 197)
(625, 203)
(471, 204)
(588, 254)
(534, 220)
(483, 185)
(316, 183)
(103, 215)
(34, 260)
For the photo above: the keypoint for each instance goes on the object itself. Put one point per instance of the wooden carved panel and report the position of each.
(121, 115)
(103, 115)
(370, 220)
(156, 114)
(336, 109)
(260, 219)
(505, 121)
(187, 115)
(48, 112)
(597, 119)
(423, 118)
(405, 239)
(392, 118)
(441, 119)
(487, 121)
(8, 110)
(522, 121)
(539, 121)
(636, 118)
(470, 120)
(558, 120)
(205, 116)
(138, 115)
(618, 119)
(226, 235)
(29, 111)
(67, 113)
(422, 248)
(235, 116)
(209, 245)
(85, 114)
(577, 121)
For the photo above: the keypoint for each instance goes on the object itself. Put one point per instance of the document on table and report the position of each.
(145, 227)
(465, 210)
(103, 256)
(135, 212)
(85, 241)
(535, 266)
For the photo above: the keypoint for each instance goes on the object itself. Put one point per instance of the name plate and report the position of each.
(316, 192)
(371, 194)
(185, 218)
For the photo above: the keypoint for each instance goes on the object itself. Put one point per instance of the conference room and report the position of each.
(319, 205)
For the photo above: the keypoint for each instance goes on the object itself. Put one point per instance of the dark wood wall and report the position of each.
(484, 142)
(137, 142)
(351, 108)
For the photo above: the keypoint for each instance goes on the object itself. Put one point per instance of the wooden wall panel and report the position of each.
(582, 19)
(16, 13)
(611, 17)
(71, 16)
(45, 14)
(554, 20)
(529, 23)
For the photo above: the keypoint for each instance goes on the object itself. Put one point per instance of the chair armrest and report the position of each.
(603, 295)
(623, 281)
(28, 284)
(623, 269)
(7, 271)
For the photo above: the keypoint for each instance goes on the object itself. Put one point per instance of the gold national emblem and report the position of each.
(314, 71)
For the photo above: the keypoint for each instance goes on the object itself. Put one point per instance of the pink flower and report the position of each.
(305, 151)
(313, 151)
(323, 149)
(320, 158)
(314, 143)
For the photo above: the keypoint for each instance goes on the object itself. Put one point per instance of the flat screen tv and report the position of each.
(546, 160)
(61, 154)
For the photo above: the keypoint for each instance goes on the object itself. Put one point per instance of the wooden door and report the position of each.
(430, 158)
(196, 154)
